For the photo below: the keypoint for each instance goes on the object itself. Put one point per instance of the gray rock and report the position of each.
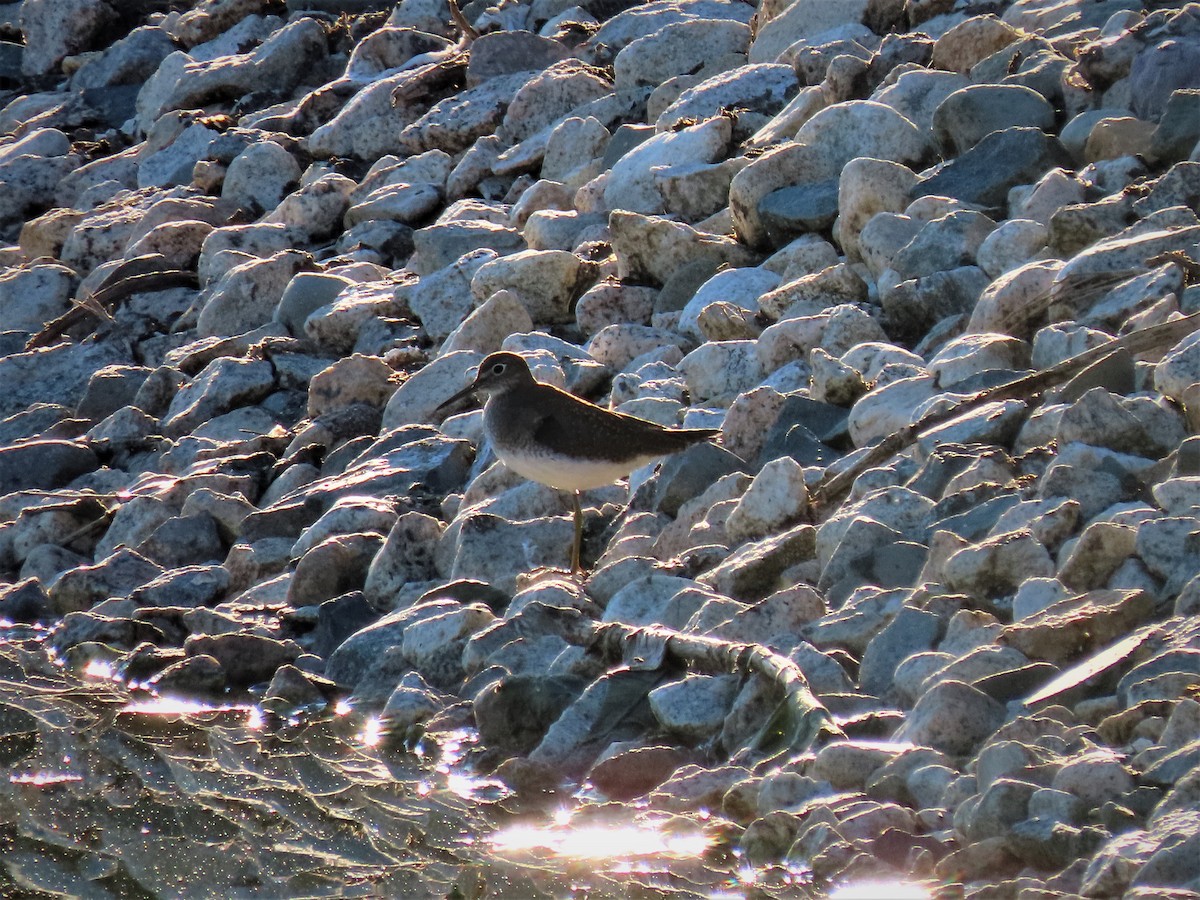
(114, 576)
(677, 49)
(971, 113)
(44, 465)
(983, 174)
(761, 88)
(911, 631)
(223, 385)
(186, 586)
(695, 707)
(245, 658)
(952, 717)
(515, 712)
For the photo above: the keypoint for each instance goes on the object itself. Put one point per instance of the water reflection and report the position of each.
(43, 779)
(615, 842)
(877, 890)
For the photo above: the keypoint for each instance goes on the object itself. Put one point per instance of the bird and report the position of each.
(555, 438)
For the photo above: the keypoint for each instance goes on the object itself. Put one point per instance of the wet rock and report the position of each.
(186, 586)
(114, 576)
(632, 772)
(245, 658)
(194, 676)
(514, 713)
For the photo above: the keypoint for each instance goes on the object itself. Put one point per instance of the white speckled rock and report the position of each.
(442, 300)
(545, 281)
(721, 369)
(886, 409)
(1008, 304)
(1012, 244)
(997, 565)
(416, 399)
(678, 49)
(631, 184)
(224, 384)
(1179, 369)
(741, 287)
(262, 174)
(789, 23)
(573, 143)
(971, 354)
(776, 498)
(953, 717)
(485, 329)
(866, 187)
(247, 295)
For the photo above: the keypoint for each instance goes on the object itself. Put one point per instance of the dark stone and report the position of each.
(25, 602)
(507, 52)
(632, 773)
(683, 284)
(969, 515)
(195, 675)
(112, 105)
(1157, 72)
(285, 520)
(1187, 460)
(1015, 683)
(333, 567)
(356, 655)
(184, 541)
(969, 114)
(800, 208)
(91, 628)
(246, 658)
(467, 591)
(625, 139)
(913, 307)
(514, 713)
(911, 631)
(187, 586)
(32, 422)
(685, 475)
(44, 465)
(1179, 129)
(339, 618)
(10, 63)
(805, 430)
(984, 174)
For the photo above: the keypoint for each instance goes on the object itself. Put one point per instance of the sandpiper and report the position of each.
(557, 439)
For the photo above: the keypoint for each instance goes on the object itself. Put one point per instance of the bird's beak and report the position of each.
(469, 389)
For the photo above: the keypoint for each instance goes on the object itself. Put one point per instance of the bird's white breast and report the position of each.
(570, 474)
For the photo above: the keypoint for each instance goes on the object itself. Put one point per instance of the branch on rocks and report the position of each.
(432, 79)
(143, 274)
(800, 722)
(468, 30)
(833, 488)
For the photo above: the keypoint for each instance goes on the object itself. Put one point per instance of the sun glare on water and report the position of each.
(615, 842)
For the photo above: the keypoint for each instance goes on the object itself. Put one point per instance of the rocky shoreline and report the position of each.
(247, 248)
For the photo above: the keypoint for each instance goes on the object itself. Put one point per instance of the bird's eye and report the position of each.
(498, 368)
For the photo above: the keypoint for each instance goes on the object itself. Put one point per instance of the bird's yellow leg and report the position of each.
(576, 568)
